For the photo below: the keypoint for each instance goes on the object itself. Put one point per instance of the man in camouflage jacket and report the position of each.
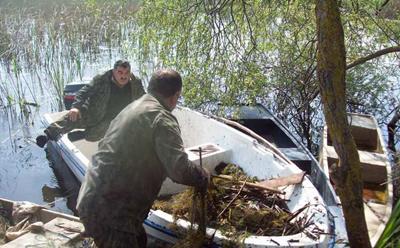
(97, 103)
(142, 146)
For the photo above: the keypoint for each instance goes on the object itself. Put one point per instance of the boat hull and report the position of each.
(260, 123)
(376, 169)
(237, 148)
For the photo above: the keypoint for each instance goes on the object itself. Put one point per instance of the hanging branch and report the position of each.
(372, 56)
(365, 59)
(252, 185)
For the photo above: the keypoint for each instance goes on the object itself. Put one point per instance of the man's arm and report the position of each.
(81, 101)
(169, 148)
(83, 95)
(138, 89)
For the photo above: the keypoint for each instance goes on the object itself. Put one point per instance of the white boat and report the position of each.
(232, 146)
(376, 169)
(261, 124)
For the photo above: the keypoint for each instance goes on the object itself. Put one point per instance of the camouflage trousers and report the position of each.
(105, 236)
(65, 125)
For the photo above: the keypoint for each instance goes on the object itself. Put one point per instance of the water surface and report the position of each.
(28, 172)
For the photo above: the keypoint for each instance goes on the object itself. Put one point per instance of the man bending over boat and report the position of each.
(97, 103)
(142, 147)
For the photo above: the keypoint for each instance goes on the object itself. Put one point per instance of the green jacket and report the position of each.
(93, 98)
(142, 146)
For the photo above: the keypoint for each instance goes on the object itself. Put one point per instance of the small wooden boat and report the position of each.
(58, 230)
(231, 146)
(376, 170)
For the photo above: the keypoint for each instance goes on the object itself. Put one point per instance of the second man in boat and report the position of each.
(142, 147)
(97, 104)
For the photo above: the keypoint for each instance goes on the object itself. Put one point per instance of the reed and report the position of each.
(51, 42)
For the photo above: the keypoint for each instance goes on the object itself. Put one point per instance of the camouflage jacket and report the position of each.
(93, 98)
(142, 146)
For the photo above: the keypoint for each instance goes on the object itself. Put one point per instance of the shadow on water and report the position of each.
(68, 184)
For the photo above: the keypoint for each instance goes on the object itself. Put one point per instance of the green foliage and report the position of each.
(390, 237)
(369, 90)
(10, 100)
(235, 213)
(259, 51)
(230, 52)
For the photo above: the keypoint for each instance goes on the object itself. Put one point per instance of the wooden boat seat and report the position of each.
(373, 164)
(87, 148)
(364, 132)
(299, 157)
(363, 129)
(366, 139)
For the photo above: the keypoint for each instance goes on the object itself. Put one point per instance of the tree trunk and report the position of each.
(331, 68)
(392, 129)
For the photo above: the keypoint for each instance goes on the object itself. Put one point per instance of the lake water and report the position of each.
(28, 172)
(25, 172)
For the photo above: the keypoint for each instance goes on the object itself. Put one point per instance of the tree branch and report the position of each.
(372, 56)
(383, 5)
(391, 127)
(365, 59)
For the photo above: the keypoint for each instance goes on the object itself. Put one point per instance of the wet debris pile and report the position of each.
(20, 224)
(4, 225)
(237, 209)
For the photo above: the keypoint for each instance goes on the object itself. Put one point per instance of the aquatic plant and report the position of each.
(4, 224)
(235, 210)
(53, 42)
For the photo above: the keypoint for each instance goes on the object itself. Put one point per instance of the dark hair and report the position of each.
(165, 82)
(122, 63)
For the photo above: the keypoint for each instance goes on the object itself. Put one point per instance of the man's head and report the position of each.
(122, 72)
(167, 84)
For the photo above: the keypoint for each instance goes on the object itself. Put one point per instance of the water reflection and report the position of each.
(50, 194)
(69, 185)
(25, 174)
(37, 60)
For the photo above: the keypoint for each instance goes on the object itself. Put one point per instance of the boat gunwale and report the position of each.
(70, 146)
(45, 214)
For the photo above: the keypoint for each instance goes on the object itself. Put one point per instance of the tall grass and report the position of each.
(44, 46)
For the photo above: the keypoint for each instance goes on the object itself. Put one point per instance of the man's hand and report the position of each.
(74, 114)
